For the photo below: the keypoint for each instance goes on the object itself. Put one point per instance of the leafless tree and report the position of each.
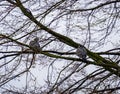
(61, 26)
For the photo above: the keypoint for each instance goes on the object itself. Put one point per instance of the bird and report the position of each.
(36, 48)
(35, 44)
(81, 52)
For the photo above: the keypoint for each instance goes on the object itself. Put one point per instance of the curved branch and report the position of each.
(96, 7)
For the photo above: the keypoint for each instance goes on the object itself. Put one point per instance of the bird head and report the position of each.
(36, 39)
(80, 46)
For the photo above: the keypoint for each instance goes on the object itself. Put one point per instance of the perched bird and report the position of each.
(36, 47)
(81, 52)
(35, 44)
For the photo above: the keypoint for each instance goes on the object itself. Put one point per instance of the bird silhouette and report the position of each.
(81, 52)
(35, 47)
(35, 44)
